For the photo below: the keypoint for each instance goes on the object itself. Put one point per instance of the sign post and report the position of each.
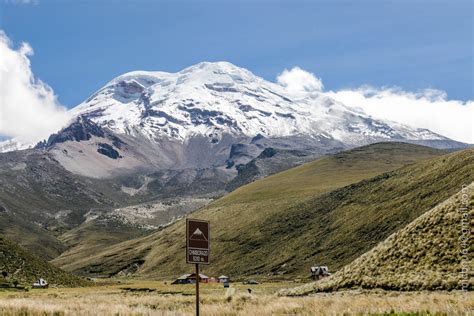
(197, 248)
(197, 289)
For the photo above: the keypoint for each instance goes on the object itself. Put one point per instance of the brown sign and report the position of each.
(197, 241)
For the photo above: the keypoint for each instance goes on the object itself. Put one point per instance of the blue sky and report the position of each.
(80, 45)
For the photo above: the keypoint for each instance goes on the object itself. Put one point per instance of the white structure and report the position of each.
(319, 272)
(40, 283)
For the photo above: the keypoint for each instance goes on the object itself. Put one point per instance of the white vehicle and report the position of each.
(41, 283)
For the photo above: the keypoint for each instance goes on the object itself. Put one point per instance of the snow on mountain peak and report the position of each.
(213, 98)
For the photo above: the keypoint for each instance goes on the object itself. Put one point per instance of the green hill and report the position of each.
(425, 255)
(275, 225)
(26, 268)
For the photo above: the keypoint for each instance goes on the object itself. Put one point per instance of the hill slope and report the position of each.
(24, 267)
(425, 255)
(239, 220)
(252, 238)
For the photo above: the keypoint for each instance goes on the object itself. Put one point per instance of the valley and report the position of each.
(332, 211)
(288, 181)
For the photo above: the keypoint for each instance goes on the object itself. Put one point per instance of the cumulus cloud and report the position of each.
(429, 109)
(299, 82)
(29, 109)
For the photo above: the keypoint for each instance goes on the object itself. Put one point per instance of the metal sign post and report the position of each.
(197, 289)
(197, 248)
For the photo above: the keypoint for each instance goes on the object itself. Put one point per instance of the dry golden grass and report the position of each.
(424, 255)
(176, 300)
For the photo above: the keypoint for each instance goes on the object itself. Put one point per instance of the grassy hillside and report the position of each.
(248, 224)
(26, 268)
(425, 255)
(95, 236)
(33, 237)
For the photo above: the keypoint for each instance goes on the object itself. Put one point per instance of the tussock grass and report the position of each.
(425, 255)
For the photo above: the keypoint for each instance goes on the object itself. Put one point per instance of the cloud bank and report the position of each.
(428, 108)
(29, 109)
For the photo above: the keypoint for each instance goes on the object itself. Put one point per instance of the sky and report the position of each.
(415, 53)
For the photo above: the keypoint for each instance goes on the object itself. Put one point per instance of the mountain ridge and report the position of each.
(211, 99)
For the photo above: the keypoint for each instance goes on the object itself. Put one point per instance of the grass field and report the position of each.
(158, 298)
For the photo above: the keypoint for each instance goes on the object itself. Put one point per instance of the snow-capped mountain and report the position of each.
(212, 99)
(179, 140)
(212, 116)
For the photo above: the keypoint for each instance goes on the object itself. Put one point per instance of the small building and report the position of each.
(191, 278)
(184, 279)
(40, 283)
(319, 272)
(202, 278)
(223, 279)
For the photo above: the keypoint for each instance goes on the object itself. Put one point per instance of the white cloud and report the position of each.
(29, 110)
(428, 108)
(425, 109)
(298, 81)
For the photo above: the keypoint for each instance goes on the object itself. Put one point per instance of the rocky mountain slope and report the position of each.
(424, 255)
(284, 223)
(219, 115)
(40, 200)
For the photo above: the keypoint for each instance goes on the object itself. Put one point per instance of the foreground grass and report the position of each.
(158, 298)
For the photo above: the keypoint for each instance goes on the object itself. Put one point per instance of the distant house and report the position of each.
(191, 278)
(319, 272)
(184, 279)
(223, 279)
(40, 283)
(202, 278)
